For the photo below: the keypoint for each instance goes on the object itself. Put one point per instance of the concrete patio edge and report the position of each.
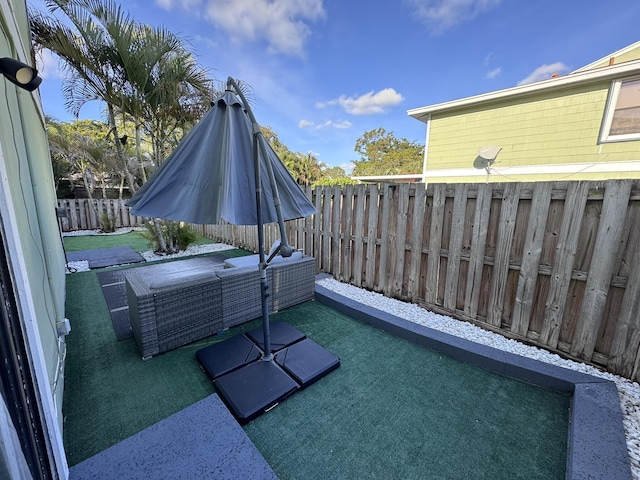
(201, 441)
(596, 444)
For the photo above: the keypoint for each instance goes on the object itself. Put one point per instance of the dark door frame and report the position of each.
(17, 384)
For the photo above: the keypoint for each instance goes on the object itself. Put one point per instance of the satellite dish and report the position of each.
(486, 157)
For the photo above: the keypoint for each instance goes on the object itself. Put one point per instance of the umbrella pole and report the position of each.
(266, 331)
(257, 147)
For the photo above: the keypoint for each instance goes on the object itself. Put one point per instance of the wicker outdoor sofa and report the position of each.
(176, 303)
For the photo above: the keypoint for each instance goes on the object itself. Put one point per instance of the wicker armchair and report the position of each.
(167, 312)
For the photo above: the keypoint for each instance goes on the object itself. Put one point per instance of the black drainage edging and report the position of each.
(596, 445)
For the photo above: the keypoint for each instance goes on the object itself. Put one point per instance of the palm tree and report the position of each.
(90, 59)
(145, 73)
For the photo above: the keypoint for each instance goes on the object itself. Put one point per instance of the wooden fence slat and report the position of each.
(347, 221)
(614, 209)
(455, 246)
(563, 261)
(435, 243)
(383, 260)
(625, 350)
(318, 248)
(308, 225)
(336, 210)
(80, 214)
(372, 228)
(508, 211)
(525, 295)
(326, 230)
(416, 241)
(358, 242)
(399, 243)
(478, 246)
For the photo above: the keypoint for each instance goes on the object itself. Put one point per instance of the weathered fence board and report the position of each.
(383, 256)
(477, 252)
(372, 225)
(555, 264)
(435, 243)
(528, 277)
(614, 208)
(398, 241)
(416, 240)
(455, 246)
(506, 229)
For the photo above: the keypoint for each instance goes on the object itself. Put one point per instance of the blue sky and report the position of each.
(325, 71)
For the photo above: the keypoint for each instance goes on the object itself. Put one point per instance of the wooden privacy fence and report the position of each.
(554, 264)
(77, 214)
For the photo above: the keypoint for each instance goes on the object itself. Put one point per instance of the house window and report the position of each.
(622, 118)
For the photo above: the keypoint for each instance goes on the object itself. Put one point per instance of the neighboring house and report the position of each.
(32, 273)
(580, 126)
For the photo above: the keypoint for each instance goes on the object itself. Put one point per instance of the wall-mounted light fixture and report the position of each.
(20, 74)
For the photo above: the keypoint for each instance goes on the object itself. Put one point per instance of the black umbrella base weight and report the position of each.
(249, 385)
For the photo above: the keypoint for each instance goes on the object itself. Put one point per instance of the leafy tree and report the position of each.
(90, 56)
(381, 153)
(304, 168)
(73, 144)
(330, 176)
(146, 74)
(82, 149)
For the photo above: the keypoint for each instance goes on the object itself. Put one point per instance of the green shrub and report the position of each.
(177, 236)
(107, 223)
(183, 236)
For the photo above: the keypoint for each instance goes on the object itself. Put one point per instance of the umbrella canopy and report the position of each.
(211, 175)
(224, 168)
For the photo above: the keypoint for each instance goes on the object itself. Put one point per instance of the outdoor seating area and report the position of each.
(176, 303)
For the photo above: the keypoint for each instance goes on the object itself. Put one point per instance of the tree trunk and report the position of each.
(120, 154)
(160, 237)
(143, 174)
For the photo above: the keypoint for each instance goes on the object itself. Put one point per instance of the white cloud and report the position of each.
(49, 65)
(494, 73)
(284, 24)
(342, 125)
(544, 72)
(328, 124)
(488, 59)
(440, 15)
(347, 167)
(368, 104)
(185, 4)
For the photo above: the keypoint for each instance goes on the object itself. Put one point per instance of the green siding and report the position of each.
(25, 155)
(559, 127)
(629, 56)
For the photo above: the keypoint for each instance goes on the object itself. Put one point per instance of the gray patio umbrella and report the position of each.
(214, 172)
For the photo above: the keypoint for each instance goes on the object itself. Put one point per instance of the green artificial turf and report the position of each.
(392, 409)
(134, 239)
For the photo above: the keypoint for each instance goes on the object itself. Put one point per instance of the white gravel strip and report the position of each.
(118, 231)
(628, 392)
(150, 256)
